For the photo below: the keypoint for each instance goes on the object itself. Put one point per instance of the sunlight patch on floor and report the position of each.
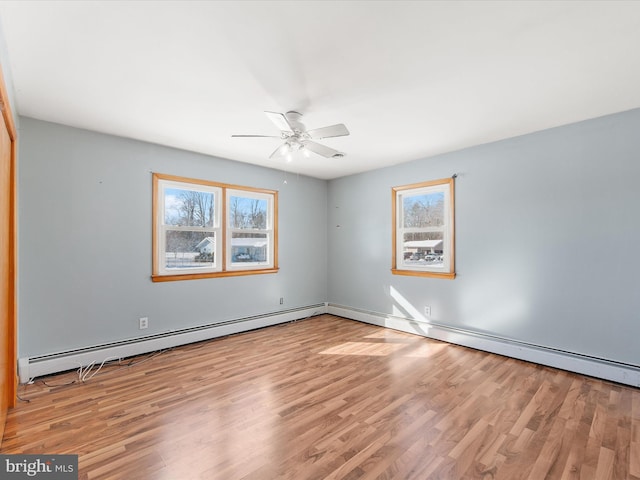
(392, 334)
(426, 350)
(414, 350)
(363, 348)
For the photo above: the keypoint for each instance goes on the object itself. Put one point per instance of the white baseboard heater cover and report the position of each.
(587, 365)
(37, 366)
(32, 367)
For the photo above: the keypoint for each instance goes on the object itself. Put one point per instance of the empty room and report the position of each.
(320, 240)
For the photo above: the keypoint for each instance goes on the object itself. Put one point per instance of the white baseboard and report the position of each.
(573, 362)
(32, 367)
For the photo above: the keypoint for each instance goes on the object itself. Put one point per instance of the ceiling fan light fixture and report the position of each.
(297, 138)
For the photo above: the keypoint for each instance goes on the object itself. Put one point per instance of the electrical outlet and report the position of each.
(144, 323)
(427, 311)
(281, 300)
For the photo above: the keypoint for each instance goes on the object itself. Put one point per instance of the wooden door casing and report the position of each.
(8, 262)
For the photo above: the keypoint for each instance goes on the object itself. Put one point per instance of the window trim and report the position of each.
(447, 185)
(222, 269)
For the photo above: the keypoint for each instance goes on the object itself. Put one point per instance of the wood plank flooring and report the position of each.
(329, 398)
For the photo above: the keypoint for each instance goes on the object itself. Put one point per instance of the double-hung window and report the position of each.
(423, 238)
(249, 229)
(205, 229)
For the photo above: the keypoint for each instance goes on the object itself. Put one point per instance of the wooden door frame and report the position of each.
(11, 337)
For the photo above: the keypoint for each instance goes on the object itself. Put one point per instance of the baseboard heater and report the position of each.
(37, 366)
(606, 369)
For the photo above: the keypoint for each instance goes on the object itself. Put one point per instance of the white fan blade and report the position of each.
(325, 132)
(278, 151)
(280, 121)
(256, 136)
(320, 149)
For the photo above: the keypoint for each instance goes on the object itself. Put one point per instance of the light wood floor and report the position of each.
(329, 398)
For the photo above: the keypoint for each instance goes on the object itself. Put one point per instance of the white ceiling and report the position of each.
(410, 79)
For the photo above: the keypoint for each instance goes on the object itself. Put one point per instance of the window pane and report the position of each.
(423, 248)
(247, 213)
(188, 208)
(189, 249)
(249, 247)
(424, 210)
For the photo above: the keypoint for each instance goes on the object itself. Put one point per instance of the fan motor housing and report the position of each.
(294, 120)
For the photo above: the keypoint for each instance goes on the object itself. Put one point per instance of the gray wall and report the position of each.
(85, 241)
(547, 240)
(547, 232)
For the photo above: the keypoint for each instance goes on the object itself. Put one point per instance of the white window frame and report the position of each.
(268, 231)
(400, 266)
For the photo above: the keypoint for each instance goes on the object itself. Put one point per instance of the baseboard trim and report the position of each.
(37, 366)
(573, 362)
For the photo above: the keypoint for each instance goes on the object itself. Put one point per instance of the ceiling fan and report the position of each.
(297, 138)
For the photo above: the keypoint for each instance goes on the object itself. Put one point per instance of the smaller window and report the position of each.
(423, 238)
